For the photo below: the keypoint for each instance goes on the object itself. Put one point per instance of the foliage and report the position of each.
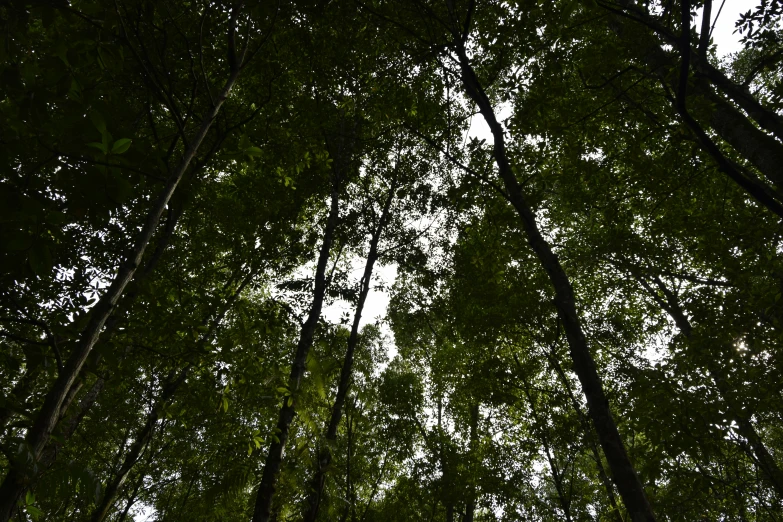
(465, 401)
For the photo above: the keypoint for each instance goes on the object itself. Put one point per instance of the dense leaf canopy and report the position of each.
(584, 320)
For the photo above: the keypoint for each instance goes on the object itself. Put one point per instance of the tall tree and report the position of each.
(573, 208)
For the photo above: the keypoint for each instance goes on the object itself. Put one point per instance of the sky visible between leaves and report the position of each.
(377, 301)
(727, 42)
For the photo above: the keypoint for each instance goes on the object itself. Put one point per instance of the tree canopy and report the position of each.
(585, 321)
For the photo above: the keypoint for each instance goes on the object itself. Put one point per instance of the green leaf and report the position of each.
(34, 512)
(29, 500)
(61, 51)
(75, 92)
(97, 120)
(121, 145)
(97, 145)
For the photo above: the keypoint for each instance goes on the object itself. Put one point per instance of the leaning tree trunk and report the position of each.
(20, 473)
(541, 425)
(765, 117)
(143, 436)
(769, 467)
(589, 436)
(623, 472)
(274, 458)
(761, 150)
(325, 455)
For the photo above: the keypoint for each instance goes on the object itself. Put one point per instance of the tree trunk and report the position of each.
(137, 447)
(131, 499)
(20, 473)
(590, 436)
(557, 475)
(766, 118)
(769, 467)
(68, 427)
(764, 152)
(325, 454)
(144, 435)
(760, 149)
(449, 512)
(266, 489)
(623, 472)
(470, 502)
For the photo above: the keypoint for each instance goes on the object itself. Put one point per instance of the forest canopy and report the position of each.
(585, 319)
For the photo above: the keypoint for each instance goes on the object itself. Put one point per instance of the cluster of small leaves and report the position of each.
(761, 27)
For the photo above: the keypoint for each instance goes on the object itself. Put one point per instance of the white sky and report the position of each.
(377, 300)
(723, 36)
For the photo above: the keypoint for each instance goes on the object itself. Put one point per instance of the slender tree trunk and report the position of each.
(623, 472)
(67, 428)
(449, 512)
(769, 467)
(760, 149)
(351, 506)
(764, 152)
(766, 118)
(144, 435)
(444, 495)
(375, 487)
(274, 458)
(589, 435)
(52, 449)
(132, 498)
(470, 502)
(557, 474)
(325, 454)
(140, 442)
(20, 473)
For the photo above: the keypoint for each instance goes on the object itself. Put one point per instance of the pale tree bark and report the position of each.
(20, 473)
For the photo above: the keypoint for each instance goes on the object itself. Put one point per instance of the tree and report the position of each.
(585, 318)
